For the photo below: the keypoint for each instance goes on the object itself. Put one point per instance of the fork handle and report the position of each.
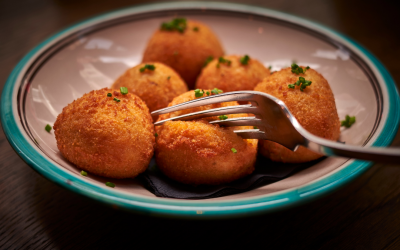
(375, 154)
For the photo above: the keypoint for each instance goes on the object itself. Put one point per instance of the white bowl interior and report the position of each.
(95, 60)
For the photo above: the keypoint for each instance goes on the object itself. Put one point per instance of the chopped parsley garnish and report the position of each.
(124, 90)
(273, 72)
(350, 120)
(298, 70)
(302, 82)
(196, 29)
(223, 60)
(208, 93)
(83, 173)
(109, 94)
(48, 128)
(216, 91)
(208, 60)
(270, 67)
(110, 184)
(255, 127)
(198, 93)
(116, 99)
(223, 117)
(147, 66)
(155, 134)
(234, 150)
(178, 24)
(245, 60)
(169, 77)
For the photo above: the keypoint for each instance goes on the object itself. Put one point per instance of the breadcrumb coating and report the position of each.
(184, 52)
(233, 77)
(314, 108)
(196, 152)
(157, 88)
(106, 137)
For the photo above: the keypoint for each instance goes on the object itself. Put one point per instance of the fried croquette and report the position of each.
(236, 73)
(107, 135)
(197, 152)
(156, 87)
(314, 108)
(185, 51)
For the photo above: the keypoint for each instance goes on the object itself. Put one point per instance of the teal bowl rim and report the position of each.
(186, 208)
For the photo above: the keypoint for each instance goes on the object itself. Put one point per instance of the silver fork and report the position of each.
(275, 123)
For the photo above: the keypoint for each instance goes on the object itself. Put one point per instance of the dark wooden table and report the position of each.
(35, 213)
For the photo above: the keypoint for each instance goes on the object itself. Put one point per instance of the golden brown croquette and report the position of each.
(314, 108)
(107, 136)
(185, 52)
(157, 87)
(232, 76)
(197, 152)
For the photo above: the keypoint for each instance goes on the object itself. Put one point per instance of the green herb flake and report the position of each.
(208, 60)
(223, 60)
(178, 24)
(208, 93)
(196, 29)
(116, 99)
(147, 66)
(245, 60)
(169, 77)
(48, 128)
(302, 82)
(109, 94)
(156, 135)
(198, 93)
(305, 84)
(223, 117)
(216, 91)
(255, 127)
(298, 70)
(124, 90)
(83, 173)
(349, 120)
(270, 67)
(110, 184)
(234, 150)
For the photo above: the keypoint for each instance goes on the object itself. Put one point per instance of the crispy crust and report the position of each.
(157, 88)
(196, 152)
(185, 52)
(233, 77)
(105, 137)
(314, 108)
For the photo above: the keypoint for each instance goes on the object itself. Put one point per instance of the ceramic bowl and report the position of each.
(92, 54)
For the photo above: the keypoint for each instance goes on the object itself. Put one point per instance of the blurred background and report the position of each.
(35, 213)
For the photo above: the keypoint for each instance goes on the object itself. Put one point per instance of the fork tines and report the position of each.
(224, 97)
